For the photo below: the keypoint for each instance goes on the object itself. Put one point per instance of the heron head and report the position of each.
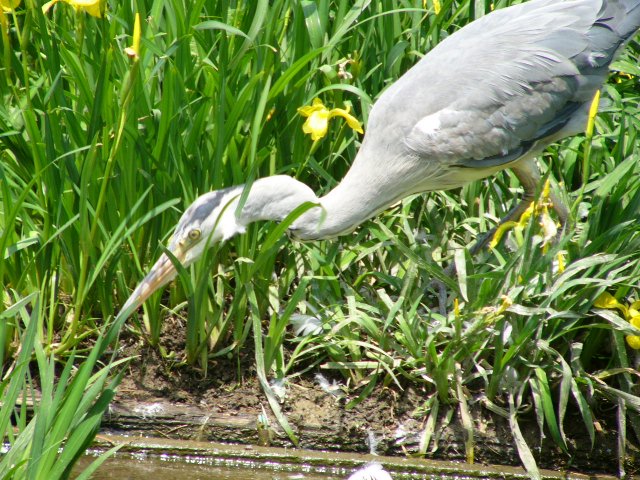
(208, 220)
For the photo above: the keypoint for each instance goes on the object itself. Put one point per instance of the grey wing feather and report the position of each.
(505, 84)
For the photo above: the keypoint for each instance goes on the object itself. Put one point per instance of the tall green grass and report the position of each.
(50, 413)
(99, 154)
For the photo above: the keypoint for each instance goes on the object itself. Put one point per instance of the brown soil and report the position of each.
(164, 398)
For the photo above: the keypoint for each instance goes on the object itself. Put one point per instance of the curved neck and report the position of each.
(354, 200)
(349, 204)
(361, 194)
(270, 198)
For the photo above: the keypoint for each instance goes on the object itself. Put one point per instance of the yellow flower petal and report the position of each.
(308, 110)
(316, 106)
(317, 124)
(436, 6)
(561, 262)
(500, 231)
(633, 341)
(134, 50)
(526, 215)
(318, 119)
(351, 120)
(506, 303)
(606, 300)
(47, 6)
(9, 5)
(549, 227)
(593, 111)
(546, 191)
(95, 8)
(635, 321)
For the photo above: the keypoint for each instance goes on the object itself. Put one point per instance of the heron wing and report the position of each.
(503, 85)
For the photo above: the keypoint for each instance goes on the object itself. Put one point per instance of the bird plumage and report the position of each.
(491, 95)
(488, 97)
(510, 82)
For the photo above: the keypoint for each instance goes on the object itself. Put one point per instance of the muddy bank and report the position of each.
(157, 399)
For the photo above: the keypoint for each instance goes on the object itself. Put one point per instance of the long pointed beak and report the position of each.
(160, 274)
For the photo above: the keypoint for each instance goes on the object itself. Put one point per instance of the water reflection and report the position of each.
(124, 468)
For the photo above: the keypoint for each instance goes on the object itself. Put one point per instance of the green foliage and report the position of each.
(99, 154)
(67, 405)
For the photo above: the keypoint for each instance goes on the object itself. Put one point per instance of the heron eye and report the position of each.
(194, 234)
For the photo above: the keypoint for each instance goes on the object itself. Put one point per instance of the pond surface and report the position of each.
(157, 469)
(143, 458)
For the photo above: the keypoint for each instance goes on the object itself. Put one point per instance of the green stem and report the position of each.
(69, 339)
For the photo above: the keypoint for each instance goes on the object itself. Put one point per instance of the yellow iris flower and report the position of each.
(631, 313)
(95, 8)
(134, 50)
(593, 111)
(549, 227)
(9, 5)
(318, 119)
(436, 6)
(561, 262)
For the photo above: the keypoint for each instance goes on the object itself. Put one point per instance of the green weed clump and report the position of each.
(104, 141)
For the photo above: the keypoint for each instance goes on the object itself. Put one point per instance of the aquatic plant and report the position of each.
(107, 132)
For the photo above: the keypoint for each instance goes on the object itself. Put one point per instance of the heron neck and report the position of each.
(361, 194)
(271, 198)
(356, 199)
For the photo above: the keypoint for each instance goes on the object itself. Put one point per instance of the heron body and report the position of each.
(491, 96)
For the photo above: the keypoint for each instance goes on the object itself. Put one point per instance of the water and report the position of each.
(164, 459)
(123, 468)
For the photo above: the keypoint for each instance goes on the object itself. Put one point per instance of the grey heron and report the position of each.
(489, 97)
